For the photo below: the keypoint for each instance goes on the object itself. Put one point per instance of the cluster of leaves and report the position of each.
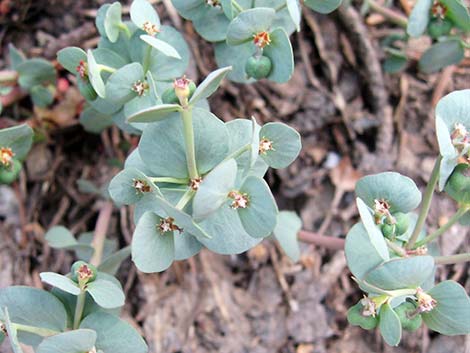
(36, 76)
(15, 143)
(394, 266)
(446, 22)
(135, 62)
(198, 182)
(80, 314)
(252, 36)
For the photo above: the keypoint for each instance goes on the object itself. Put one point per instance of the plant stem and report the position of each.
(324, 241)
(123, 27)
(237, 6)
(389, 14)
(238, 152)
(426, 204)
(452, 259)
(8, 77)
(395, 248)
(281, 7)
(444, 228)
(79, 310)
(100, 232)
(147, 58)
(187, 116)
(106, 68)
(187, 196)
(40, 331)
(170, 180)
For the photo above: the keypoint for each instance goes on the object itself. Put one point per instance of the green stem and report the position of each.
(40, 331)
(126, 29)
(187, 196)
(79, 310)
(444, 228)
(187, 115)
(239, 152)
(395, 248)
(426, 204)
(401, 292)
(237, 6)
(106, 68)
(170, 180)
(390, 15)
(281, 7)
(147, 58)
(452, 259)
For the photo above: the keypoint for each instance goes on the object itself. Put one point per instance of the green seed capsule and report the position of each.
(9, 174)
(169, 95)
(86, 89)
(388, 230)
(258, 67)
(404, 312)
(438, 27)
(356, 318)
(83, 272)
(458, 185)
(403, 222)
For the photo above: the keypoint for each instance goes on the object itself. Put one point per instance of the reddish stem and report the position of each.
(327, 242)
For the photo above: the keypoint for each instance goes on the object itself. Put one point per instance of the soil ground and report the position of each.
(354, 120)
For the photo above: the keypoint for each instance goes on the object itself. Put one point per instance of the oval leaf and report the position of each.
(60, 281)
(77, 341)
(390, 325)
(142, 11)
(442, 54)
(249, 22)
(209, 85)
(119, 88)
(106, 293)
(419, 18)
(155, 113)
(70, 58)
(161, 46)
(94, 73)
(287, 227)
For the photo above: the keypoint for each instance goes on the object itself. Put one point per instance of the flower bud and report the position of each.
(409, 317)
(83, 273)
(402, 222)
(458, 184)
(258, 67)
(388, 230)
(169, 95)
(356, 317)
(9, 174)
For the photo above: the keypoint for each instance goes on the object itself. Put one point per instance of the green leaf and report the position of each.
(34, 307)
(235, 56)
(100, 17)
(287, 227)
(86, 252)
(400, 273)
(214, 189)
(112, 21)
(442, 54)
(399, 191)
(41, 96)
(70, 58)
(93, 121)
(142, 11)
(244, 132)
(419, 18)
(109, 58)
(114, 334)
(16, 56)
(260, 217)
(227, 232)
(452, 109)
(59, 237)
(211, 145)
(134, 161)
(156, 113)
(395, 61)
(212, 26)
(11, 331)
(209, 85)
(94, 73)
(286, 144)
(160, 45)
(362, 256)
(119, 87)
(35, 72)
(61, 282)
(106, 293)
(295, 12)
(458, 13)
(451, 316)
(249, 22)
(323, 6)
(122, 187)
(390, 325)
(19, 138)
(112, 263)
(77, 341)
(282, 56)
(152, 251)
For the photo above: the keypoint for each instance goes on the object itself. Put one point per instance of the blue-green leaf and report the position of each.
(94, 73)
(442, 54)
(130, 185)
(106, 293)
(141, 12)
(323, 6)
(19, 138)
(119, 87)
(60, 281)
(249, 22)
(112, 21)
(77, 341)
(209, 85)
(390, 325)
(419, 18)
(287, 227)
(160, 45)
(156, 113)
(70, 58)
